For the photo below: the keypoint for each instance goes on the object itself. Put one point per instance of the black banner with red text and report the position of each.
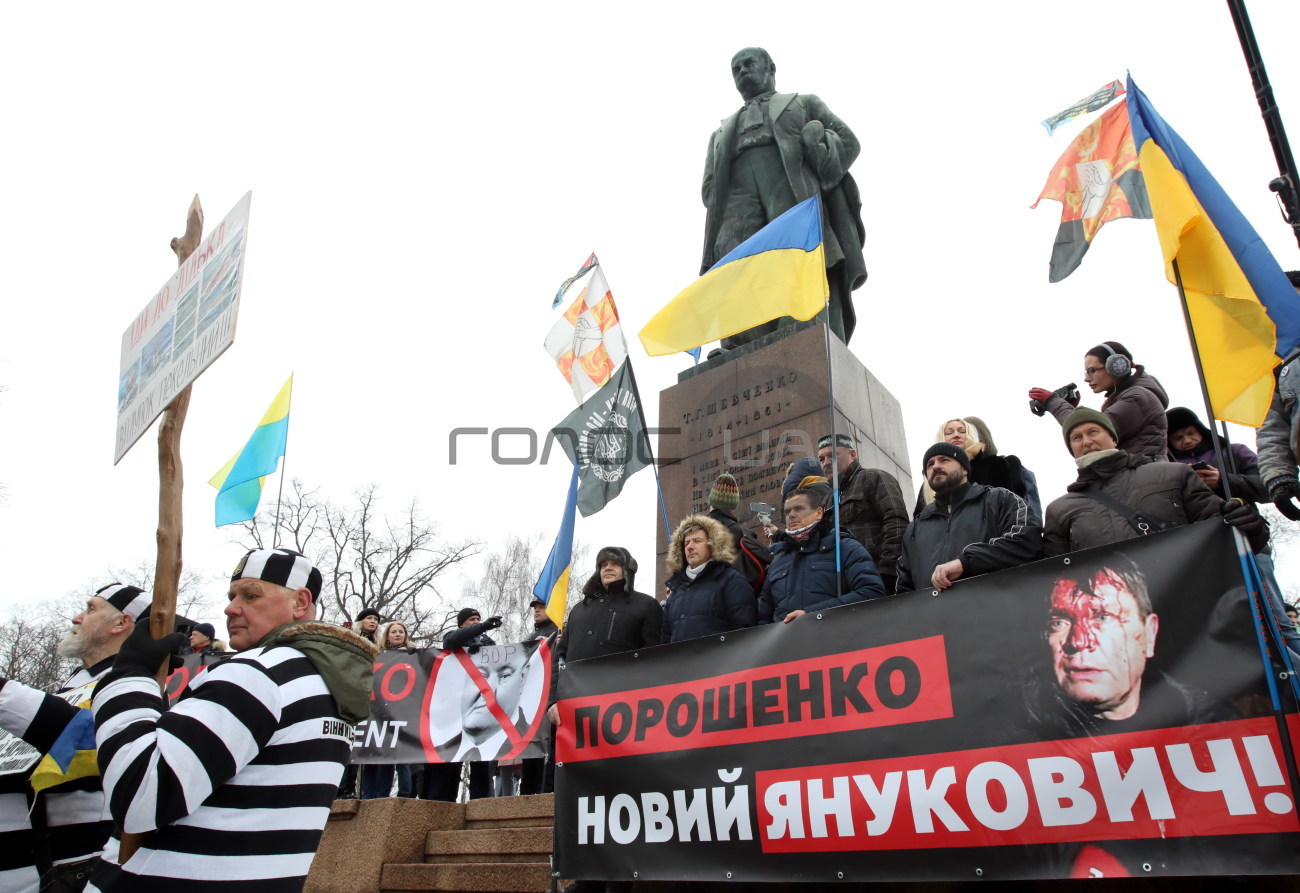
(433, 706)
(1100, 714)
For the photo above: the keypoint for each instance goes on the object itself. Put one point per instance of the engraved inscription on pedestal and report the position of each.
(754, 415)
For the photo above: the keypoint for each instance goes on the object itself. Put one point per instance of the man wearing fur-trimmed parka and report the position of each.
(708, 595)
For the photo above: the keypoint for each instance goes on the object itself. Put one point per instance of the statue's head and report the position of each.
(753, 71)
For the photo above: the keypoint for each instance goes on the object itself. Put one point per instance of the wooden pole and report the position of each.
(167, 569)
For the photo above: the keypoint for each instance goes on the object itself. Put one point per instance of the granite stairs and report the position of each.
(494, 845)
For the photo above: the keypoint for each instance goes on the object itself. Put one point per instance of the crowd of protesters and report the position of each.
(238, 737)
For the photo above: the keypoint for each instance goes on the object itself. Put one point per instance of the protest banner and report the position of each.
(183, 328)
(433, 706)
(1099, 714)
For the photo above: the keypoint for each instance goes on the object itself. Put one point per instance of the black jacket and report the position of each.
(471, 636)
(719, 600)
(988, 528)
(609, 621)
(802, 575)
(544, 630)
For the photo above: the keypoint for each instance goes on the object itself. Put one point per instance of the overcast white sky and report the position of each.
(424, 176)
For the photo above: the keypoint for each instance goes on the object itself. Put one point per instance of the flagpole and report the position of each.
(663, 506)
(279, 497)
(835, 447)
(1200, 371)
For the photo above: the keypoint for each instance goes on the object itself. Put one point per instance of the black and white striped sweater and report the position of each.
(73, 811)
(232, 786)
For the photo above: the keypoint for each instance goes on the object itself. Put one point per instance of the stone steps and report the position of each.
(494, 845)
(475, 877)
(502, 846)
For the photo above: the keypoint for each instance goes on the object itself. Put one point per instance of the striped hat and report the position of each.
(283, 567)
(130, 600)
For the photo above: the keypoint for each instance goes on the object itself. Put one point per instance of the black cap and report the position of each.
(951, 450)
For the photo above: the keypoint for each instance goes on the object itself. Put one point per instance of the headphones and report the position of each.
(1117, 365)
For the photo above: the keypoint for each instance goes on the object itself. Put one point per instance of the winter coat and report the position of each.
(1023, 483)
(1244, 483)
(1137, 410)
(802, 576)
(1169, 491)
(1278, 439)
(988, 528)
(718, 600)
(544, 630)
(609, 621)
(872, 508)
(473, 636)
(989, 470)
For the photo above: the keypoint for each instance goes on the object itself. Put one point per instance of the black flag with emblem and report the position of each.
(606, 437)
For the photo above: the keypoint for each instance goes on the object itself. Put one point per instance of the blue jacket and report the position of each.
(802, 576)
(717, 601)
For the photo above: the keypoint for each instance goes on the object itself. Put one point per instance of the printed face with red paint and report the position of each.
(1100, 643)
(505, 667)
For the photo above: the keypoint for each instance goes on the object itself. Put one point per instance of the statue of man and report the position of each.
(778, 150)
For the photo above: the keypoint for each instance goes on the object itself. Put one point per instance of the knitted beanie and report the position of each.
(725, 494)
(943, 448)
(1082, 416)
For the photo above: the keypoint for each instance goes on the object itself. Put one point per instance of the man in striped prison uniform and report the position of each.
(52, 810)
(230, 789)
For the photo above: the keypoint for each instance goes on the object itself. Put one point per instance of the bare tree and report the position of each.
(368, 560)
(506, 585)
(30, 635)
(199, 597)
(29, 639)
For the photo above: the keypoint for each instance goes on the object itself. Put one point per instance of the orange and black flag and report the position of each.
(1097, 179)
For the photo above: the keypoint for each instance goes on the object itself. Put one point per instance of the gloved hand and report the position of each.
(492, 623)
(1040, 395)
(1246, 518)
(1283, 492)
(142, 655)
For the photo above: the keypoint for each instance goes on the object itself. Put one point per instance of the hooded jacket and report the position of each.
(802, 576)
(1278, 439)
(1245, 482)
(609, 621)
(1136, 408)
(344, 660)
(1169, 491)
(988, 528)
(718, 600)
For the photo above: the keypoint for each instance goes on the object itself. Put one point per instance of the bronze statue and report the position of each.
(778, 150)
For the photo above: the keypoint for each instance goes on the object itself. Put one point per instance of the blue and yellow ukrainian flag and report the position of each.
(1245, 314)
(553, 585)
(239, 481)
(72, 755)
(778, 271)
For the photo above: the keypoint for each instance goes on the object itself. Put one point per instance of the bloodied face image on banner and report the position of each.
(428, 705)
(1102, 714)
